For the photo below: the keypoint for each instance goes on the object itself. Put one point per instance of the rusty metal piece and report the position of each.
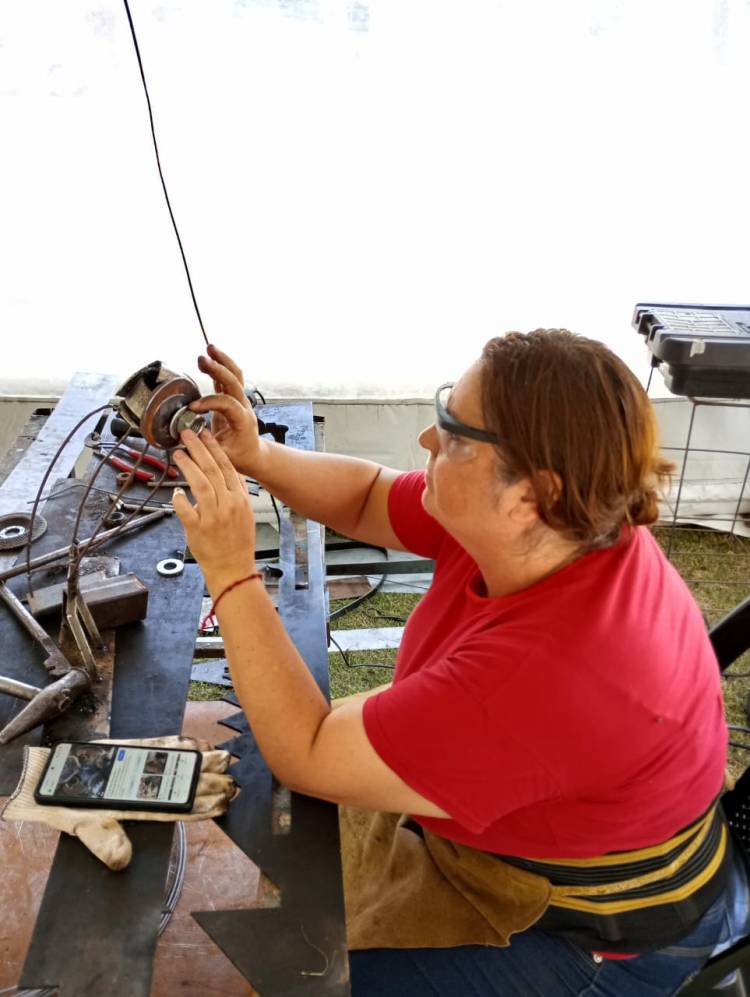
(88, 718)
(15, 529)
(155, 402)
(113, 601)
(56, 663)
(79, 620)
(50, 702)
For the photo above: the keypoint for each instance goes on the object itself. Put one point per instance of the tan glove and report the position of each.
(99, 829)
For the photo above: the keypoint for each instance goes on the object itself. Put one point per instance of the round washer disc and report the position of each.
(14, 529)
(170, 566)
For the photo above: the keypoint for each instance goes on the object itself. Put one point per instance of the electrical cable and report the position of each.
(158, 163)
(175, 890)
(387, 616)
(348, 663)
(355, 545)
(272, 552)
(276, 510)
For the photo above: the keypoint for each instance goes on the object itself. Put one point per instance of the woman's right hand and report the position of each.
(233, 422)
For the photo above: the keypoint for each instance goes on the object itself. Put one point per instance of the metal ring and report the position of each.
(14, 529)
(12, 532)
(170, 566)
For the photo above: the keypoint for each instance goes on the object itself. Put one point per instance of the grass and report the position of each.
(204, 691)
(715, 566)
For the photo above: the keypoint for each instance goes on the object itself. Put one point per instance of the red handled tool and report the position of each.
(122, 465)
(139, 473)
(152, 461)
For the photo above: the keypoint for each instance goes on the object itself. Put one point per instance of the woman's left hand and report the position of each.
(219, 528)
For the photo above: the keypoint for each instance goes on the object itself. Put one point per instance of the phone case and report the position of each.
(86, 780)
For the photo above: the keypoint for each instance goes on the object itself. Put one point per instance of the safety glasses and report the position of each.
(454, 426)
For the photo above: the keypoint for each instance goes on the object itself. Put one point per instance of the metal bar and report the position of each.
(716, 403)
(50, 702)
(416, 567)
(731, 453)
(682, 479)
(739, 500)
(54, 555)
(21, 690)
(56, 662)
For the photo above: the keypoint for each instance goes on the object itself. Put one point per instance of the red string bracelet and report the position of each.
(217, 600)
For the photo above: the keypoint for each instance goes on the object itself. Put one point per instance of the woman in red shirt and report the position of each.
(556, 703)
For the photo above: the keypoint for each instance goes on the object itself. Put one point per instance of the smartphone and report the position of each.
(119, 777)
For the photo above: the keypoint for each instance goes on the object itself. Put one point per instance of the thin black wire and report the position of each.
(90, 484)
(387, 616)
(95, 544)
(37, 497)
(276, 510)
(158, 163)
(348, 663)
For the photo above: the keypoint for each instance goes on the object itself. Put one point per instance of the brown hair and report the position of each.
(563, 403)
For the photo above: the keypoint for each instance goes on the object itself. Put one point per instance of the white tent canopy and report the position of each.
(366, 191)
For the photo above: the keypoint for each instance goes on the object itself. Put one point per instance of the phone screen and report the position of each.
(114, 774)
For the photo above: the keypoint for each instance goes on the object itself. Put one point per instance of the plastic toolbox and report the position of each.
(701, 350)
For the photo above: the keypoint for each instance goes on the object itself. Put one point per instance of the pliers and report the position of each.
(139, 473)
(152, 461)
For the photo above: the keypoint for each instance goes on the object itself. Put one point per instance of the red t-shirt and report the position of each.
(580, 716)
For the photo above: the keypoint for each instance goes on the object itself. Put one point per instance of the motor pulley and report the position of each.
(154, 402)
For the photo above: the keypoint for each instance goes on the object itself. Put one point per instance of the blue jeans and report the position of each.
(537, 964)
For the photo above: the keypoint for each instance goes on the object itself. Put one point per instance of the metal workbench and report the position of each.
(96, 931)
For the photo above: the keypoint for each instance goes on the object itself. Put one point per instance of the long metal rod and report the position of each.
(682, 481)
(21, 690)
(25, 618)
(54, 555)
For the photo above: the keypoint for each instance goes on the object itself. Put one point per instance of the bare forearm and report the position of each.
(279, 696)
(329, 488)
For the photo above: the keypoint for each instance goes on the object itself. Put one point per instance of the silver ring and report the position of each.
(13, 532)
(169, 567)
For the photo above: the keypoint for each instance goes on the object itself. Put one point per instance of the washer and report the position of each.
(170, 567)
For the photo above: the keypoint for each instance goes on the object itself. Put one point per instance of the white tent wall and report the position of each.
(715, 473)
(367, 190)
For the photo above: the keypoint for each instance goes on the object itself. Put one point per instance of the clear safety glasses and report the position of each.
(457, 438)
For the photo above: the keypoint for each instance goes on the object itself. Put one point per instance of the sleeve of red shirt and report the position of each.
(455, 746)
(416, 529)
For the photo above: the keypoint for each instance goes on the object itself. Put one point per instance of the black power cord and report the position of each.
(347, 662)
(158, 163)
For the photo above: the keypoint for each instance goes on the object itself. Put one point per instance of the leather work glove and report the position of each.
(99, 829)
